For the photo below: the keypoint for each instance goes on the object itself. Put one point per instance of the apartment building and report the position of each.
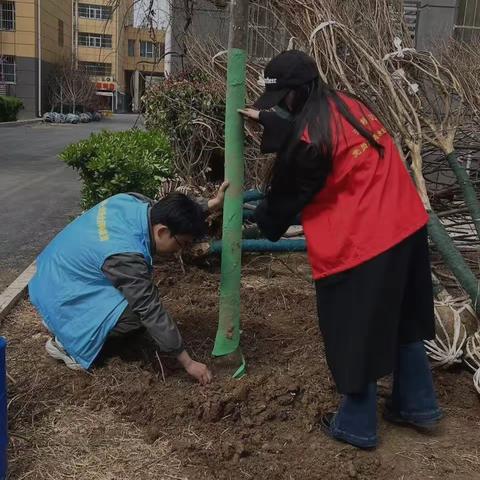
(144, 63)
(120, 57)
(36, 35)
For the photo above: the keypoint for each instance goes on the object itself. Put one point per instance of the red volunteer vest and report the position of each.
(369, 203)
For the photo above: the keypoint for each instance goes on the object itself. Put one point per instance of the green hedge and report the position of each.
(9, 107)
(118, 162)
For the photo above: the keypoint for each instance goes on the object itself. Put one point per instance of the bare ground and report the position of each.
(125, 421)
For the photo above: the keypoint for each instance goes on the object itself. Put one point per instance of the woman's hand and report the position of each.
(250, 114)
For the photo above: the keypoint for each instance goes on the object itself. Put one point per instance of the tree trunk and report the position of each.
(227, 341)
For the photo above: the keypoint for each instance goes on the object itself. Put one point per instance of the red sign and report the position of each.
(110, 87)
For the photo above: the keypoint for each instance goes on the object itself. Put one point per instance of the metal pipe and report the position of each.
(39, 46)
(253, 195)
(250, 214)
(167, 62)
(75, 36)
(286, 246)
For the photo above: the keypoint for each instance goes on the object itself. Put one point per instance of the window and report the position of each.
(60, 33)
(94, 12)
(7, 69)
(96, 40)
(97, 69)
(468, 21)
(7, 15)
(146, 49)
(151, 50)
(265, 31)
(129, 20)
(131, 48)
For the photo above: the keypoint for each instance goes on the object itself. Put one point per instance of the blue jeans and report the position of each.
(413, 400)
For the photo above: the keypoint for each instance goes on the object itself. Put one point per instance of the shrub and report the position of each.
(191, 111)
(118, 162)
(9, 107)
(190, 108)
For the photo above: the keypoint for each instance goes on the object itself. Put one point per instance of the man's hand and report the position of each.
(217, 202)
(250, 114)
(200, 372)
(197, 370)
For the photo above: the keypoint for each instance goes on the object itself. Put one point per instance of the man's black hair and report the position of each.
(180, 214)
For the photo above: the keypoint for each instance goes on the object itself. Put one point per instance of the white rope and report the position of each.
(321, 27)
(219, 54)
(468, 306)
(447, 351)
(472, 353)
(399, 75)
(399, 52)
(476, 380)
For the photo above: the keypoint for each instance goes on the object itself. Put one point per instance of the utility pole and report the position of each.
(167, 62)
(227, 341)
(75, 35)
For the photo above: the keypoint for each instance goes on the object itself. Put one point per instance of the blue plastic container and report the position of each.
(3, 410)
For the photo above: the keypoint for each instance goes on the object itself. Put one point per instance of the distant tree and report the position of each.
(70, 88)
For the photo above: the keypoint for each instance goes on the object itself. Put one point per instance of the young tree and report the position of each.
(71, 87)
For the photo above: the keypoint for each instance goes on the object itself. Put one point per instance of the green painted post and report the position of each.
(227, 341)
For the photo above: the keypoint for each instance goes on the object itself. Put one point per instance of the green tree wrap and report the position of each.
(453, 259)
(227, 339)
(468, 190)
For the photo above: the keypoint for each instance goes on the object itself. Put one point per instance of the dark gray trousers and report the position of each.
(128, 323)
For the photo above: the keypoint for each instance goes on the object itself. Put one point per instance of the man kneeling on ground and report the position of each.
(94, 281)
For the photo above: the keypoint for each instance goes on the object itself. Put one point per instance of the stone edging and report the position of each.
(20, 123)
(16, 291)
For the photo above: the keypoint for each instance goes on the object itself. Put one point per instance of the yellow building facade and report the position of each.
(37, 35)
(120, 57)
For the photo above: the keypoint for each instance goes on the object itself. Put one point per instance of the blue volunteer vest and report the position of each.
(77, 302)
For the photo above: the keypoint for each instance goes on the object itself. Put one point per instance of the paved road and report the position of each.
(38, 193)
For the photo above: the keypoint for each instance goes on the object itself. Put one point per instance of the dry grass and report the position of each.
(53, 436)
(76, 443)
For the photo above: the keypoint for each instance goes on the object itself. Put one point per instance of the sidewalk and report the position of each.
(21, 122)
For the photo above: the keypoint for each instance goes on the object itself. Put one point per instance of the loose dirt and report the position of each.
(127, 420)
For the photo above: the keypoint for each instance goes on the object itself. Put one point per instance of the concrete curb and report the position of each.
(16, 291)
(20, 123)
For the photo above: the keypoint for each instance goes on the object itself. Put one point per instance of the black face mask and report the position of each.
(277, 128)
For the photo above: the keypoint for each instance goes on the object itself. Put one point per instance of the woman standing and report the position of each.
(365, 228)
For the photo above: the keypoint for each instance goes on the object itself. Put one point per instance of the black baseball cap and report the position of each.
(283, 73)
